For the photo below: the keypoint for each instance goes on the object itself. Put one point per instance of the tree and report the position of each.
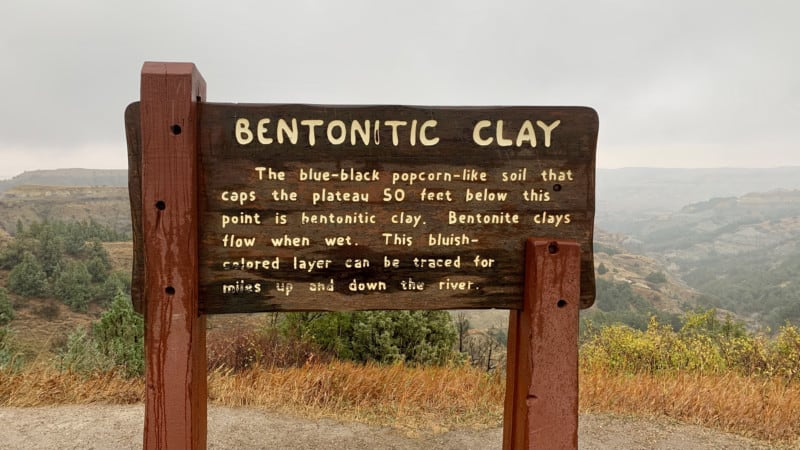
(98, 269)
(120, 336)
(99, 264)
(28, 278)
(74, 242)
(51, 251)
(116, 341)
(116, 283)
(462, 326)
(12, 255)
(499, 334)
(484, 349)
(73, 286)
(96, 250)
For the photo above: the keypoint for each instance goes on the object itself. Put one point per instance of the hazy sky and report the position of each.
(676, 84)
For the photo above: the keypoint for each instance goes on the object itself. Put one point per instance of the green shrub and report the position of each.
(656, 277)
(785, 353)
(413, 337)
(81, 354)
(6, 348)
(704, 344)
(120, 336)
(6, 308)
(115, 342)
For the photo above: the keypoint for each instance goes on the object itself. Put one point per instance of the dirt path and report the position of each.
(120, 427)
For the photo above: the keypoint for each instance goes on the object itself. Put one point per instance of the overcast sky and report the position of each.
(676, 84)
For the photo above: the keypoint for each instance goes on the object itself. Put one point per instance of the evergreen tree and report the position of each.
(12, 255)
(73, 286)
(99, 264)
(116, 341)
(74, 241)
(120, 336)
(50, 251)
(28, 278)
(98, 269)
(116, 283)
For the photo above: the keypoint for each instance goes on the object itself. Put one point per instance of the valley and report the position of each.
(666, 241)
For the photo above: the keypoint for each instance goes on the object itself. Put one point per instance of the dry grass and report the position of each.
(415, 398)
(752, 406)
(421, 397)
(120, 254)
(435, 398)
(40, 385)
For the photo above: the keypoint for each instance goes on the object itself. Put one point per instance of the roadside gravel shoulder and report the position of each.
(120, 427)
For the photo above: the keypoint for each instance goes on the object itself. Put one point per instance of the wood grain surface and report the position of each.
(264, 185)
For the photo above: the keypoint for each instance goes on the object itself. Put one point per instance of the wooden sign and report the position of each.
(246, 208)
(307, 207)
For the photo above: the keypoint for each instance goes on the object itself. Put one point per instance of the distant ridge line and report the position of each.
(69, 177)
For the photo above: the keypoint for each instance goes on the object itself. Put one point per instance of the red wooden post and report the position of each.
(175, 411)
(541, 408)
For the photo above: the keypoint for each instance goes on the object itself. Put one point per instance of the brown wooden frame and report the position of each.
(167, 183)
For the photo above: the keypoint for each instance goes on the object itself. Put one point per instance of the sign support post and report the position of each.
(176, 391)
(541, 407)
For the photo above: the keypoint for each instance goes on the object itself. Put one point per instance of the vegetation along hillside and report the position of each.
(741, 253)
(26, 204)
(688, 301)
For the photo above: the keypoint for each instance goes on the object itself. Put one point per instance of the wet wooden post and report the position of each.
(176, 392)
(541, 407)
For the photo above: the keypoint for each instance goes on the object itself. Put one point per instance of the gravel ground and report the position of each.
(120, 427)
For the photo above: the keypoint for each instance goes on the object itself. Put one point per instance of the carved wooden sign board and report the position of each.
(324, 208)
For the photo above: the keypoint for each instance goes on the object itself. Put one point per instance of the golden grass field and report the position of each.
(441, 398)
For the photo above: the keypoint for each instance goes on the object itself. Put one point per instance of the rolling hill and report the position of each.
(68, 177)
(726, 238)
(35, 203)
